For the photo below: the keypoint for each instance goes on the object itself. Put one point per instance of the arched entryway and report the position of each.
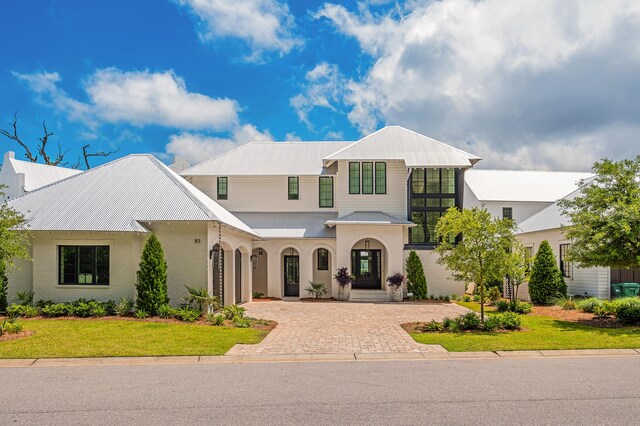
(238, 276)
(368, 257)
(291, 272)
(322, 267)
(259, 259)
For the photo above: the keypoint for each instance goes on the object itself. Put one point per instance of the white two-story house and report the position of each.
(267, 217)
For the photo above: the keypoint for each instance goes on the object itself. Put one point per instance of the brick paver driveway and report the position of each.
(340, 327)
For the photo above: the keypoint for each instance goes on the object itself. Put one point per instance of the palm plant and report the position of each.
(201, 298)
(316, 289)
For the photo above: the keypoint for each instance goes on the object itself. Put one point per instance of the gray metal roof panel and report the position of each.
(369, 218)
(289, 224)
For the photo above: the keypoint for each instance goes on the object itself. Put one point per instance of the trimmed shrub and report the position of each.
(546, 282)
(22, 311)
(4, 288)
(151, 283)
(503, 305)
(469, 321)
(629, 313)
(517, 306)
(215, 319)
(141, 314)
(241, 322)
(41, 303)
(416, 281)
(494, 294)
(590, 304)
(110, 307)
(508, 320)
(466, 298)
(10, 326)
(166, 311)
(233, 311)
(57, 310)
(433, 325)
(492, 323)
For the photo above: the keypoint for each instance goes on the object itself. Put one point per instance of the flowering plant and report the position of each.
(395, 280)
(344, 277)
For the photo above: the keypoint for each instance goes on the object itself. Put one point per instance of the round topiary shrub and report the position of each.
(546, 282)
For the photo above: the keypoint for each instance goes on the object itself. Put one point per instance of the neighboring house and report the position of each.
(20, 177)
(517, 194)
(547, 225)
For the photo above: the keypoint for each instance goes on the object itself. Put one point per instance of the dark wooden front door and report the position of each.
(292, 276)
(366, 266)
(238, 276)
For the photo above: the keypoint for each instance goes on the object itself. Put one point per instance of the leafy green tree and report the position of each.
(14, 244)
(517, 266)
(546, 282)
(605, 216)
(416, 281)
(480, 253)
(151, 284)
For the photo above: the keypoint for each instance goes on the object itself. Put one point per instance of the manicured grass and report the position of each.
(65, 338)
(541, 333)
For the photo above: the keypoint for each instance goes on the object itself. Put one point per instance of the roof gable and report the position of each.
(398, 143)
(37, 175)
(117, 195)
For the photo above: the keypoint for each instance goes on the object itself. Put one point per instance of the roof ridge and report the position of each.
(31, 163)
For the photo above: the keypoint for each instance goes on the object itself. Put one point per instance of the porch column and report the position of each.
(274, 274)
(306, 272)
(229, 277)
(247, 278)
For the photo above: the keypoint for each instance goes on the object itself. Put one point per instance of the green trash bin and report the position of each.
(616, 290)
(630, 289)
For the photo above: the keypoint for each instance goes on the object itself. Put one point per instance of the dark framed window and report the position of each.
(293, 188)
(354, 178)
(326, 191)
(323, 259)
(367, 178)
(507, 212)
(83, 265)
(432, 192)
(565, 265)
(223, 188)
(381, 178)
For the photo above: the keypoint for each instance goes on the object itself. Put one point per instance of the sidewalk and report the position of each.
(346, 357)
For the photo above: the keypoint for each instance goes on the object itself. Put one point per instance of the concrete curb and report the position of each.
(339, 357)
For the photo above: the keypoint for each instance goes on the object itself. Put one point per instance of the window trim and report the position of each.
(564, 264)
(94, 262)
(357, 173)
(219, 195)
(375, 179)
(325, 267)
(320, 180)
(295, 196)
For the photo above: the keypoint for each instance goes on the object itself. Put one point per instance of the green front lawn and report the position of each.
(540, 333)
(69, 337)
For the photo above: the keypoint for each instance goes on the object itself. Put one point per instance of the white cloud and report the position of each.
(138, 98)
(530, 82)
(198, 148)
(265, 25)
(324, 87)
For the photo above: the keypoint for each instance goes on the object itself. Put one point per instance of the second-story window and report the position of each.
(367, 178)
(294, 188)
(354, 178)
(381, 178)
(326, 191)
(223, 188)
(507, 212)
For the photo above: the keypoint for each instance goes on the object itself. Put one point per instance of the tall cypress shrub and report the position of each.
(416, 281)
(151, 284)
(4, 285)
(546, 281)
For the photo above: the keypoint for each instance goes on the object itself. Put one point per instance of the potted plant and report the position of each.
(344, 279)
(395, 284)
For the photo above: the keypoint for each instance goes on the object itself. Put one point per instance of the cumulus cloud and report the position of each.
(265, 25)
(324, 87)
(527, 83)
(138, 98)
(198, 148)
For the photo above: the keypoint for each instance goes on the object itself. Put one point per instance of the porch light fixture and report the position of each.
(260, 252)
(366, 245)
(291, 251)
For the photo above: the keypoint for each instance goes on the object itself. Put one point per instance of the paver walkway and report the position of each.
(340, 327)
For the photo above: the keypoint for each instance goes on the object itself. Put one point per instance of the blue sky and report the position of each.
(538, 85)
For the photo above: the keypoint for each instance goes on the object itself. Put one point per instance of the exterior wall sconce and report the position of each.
(366, 244)
(291, 251)
(260, 252)
(254, 261)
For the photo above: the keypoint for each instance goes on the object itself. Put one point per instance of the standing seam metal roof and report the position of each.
(117, 195)
(38, 175)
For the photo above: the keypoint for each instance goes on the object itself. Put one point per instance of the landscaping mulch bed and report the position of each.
(265, 299)
(320, 300)
(576, 316)
(7, 337)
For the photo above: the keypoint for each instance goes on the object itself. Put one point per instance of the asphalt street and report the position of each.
(563, 391)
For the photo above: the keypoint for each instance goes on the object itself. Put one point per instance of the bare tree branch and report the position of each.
(14, 137)
(95, 154)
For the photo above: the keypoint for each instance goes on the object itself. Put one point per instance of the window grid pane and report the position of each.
(381, 178)
(565, 266)
(223, 188)
(83, 265)
(354, 178)
(326, 192)
(367, 178)
(417, 181)
(433, 181)
(448, 181)
(293, 188)
(323, 259)
(507, 213)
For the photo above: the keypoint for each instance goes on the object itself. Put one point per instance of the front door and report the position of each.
(365, 265)
(238, 276)
(292, 276)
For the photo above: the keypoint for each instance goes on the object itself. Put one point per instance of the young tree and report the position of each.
(517, 267)
(605, 216)
(14, 243)
(151, 284)
(546, 282)
(480, 253)
(416, 281)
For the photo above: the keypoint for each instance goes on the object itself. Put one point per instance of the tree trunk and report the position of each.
(482, 303)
